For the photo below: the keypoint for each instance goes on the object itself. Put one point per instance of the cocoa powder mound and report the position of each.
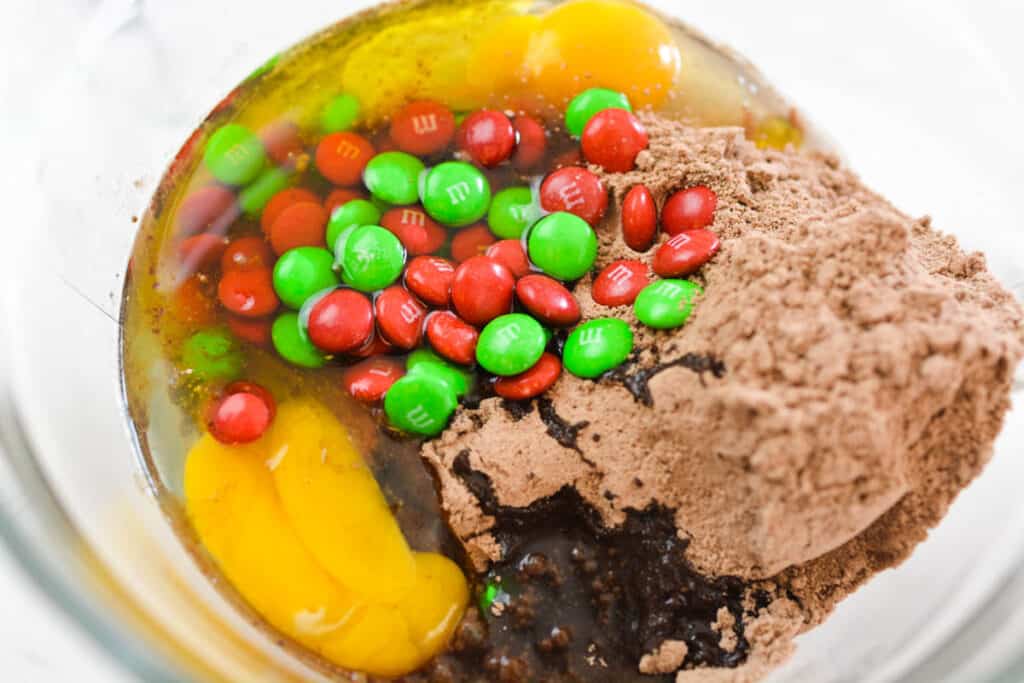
(843, 376)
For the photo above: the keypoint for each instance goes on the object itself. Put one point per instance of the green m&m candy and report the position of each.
(563, 245)
(666, 303)
(255, 197)
(589, 102)
(456, 193)
(372, 258)
(510, 344)
(212, 355)
(234, 154)
(301, 273)
(293, 344)
(420, 404)
(351, 214)
(394, 177)
(339, 114)
(597, 346)
(512, 212)
(426, 362)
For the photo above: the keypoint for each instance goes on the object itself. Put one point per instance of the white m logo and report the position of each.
(426, 123)
(419, 418)
(458, 192)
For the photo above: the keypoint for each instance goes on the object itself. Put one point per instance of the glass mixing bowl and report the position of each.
(919, 100)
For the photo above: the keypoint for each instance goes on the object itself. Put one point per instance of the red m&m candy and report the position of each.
(341, 321)
(689, 209)
(253, 330)
(548, 300)
(300, 225)
(208, 209)
(341, 196)
(247, 253)
(375, 346)
(249, 293)
(399, 317)
(342, 157)
(619, 283)
(430, 278)
(531, 142)
(239, 418)
(639, 218)
(282, 141)
(577, 191)
(487, 137)
(242, 386)
(471, 241)
(281, 201)
(452, 337)
(368, 380)
(482, 290)
(612, 139)
(510, 253)
(201, 252)
(685, 253)
(423, 128)
(418, 232)
(533, 382)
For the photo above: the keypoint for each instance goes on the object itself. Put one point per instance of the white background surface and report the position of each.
(38, 644)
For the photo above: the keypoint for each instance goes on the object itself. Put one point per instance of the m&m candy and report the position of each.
(212, 354)
(589, 102)
(597, 346)
(452, 337)
(577, 191)
(562, 245)
(300, 225)
(423, 128)
(430, 278)
(666, 304)
(340, 113)
(340, 321)
(510, 253)
(234, 154)
(639, 218)
(685, 253)
(301, 273)
(471, 241)
(420, 404)
(530, 383)
(240, 417)
(612, 139)
(619, 283)
(689, 209)
(342, 157)
(399, 317)
(248, 293)
(487, 137)
(548, 300)
(350, 215)
(482, 290)
(456, 193)
(511, 213)
(293, 344)
(369, 380)
(510, 344)
(394, 177)
(426, 362)
(417, 231)
(373, 258)
(531, 143)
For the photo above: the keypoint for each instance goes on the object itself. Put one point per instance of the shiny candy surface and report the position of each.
(471, 241)
(201, 252)
(597, 346)
(351, 214)
(339, 114)
(368, 380)
(452, 337)
(281, 201)
(510, 344)
(577, 191)
(666, 304)
(417, 231)
(340, 321)
(425, 361)
(456, 193)
(511, 213)
(399, 317)
(689, 209)
(301, 273)
(430, 279)
(612, 140)
(300, 225)
(423, 128)
(212, 355)
(639, 218)
(239, 417)
(589, 102)
(234, 154)
(620, 282)
(685, 253)
(563, 245)
(420, 404)
(394, 177)
(373, 258)
(342, 157)
(487, 137)
(293, 344)
(531, 142)
(247, 253)
(207, 209)
(533, 382)
(482, 290)
(510, 253)
(548, 300)
(248, 293)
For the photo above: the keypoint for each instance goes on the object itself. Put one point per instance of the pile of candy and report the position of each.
(370, 272)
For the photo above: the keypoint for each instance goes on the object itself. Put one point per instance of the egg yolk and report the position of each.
(301, 529)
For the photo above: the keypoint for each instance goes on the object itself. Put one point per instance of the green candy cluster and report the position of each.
(394, 177)
(302, 272)
(347, 217)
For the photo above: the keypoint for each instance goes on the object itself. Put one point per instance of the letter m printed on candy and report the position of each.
(510, 333)
(591, 335)
(620, 274)
(458, 192)
(571, 195)
(424, 123)
(419, 417)
(413, 217)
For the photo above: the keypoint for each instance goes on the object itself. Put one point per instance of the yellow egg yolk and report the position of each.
(300, 527)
